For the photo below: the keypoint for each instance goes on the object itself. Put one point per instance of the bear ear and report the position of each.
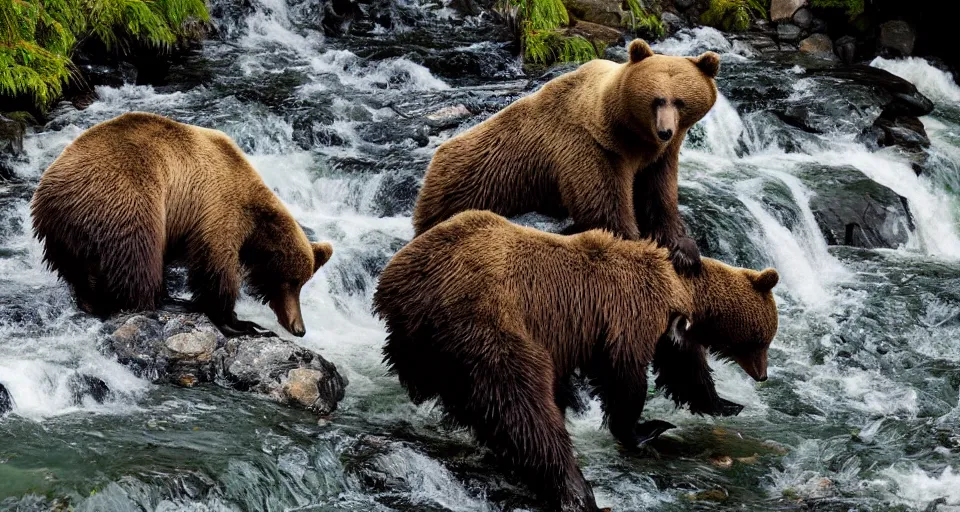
(639, 50)
(321, 254)
(765, 280)
(708, 62)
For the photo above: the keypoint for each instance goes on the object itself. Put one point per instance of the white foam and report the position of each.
(692, 42)
(915, 487)
(937, 85)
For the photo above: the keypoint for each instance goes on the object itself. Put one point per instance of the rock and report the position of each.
(82, 386)
(187, 349)
(899, 96)
(717, 495)
(594, 32)
(683, 4)
(192, 345)
(603, 12)
(787, 32)
(851, 209)
(903, 131)
(781, 10)
(449, 117)
(818, 26)
(803, 18)
(672, 23)
(818, 45)
(6, 401)
(897, 38)
(846, 49)
(11, 136)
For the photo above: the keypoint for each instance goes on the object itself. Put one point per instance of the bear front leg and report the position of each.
(622, 388)
(656, 203)
(601, 201)
(214, 281)
(685, 376)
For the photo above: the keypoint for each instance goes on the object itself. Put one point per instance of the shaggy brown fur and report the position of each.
(599, 144)
(137, 192)
(492, 318)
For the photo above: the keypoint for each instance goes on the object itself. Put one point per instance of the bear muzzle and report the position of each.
(287, 309)
(755, 365)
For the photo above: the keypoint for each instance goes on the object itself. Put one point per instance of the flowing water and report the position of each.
(861, 410)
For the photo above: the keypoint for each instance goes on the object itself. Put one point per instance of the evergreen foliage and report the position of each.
(539, 23)
(735, 15)
(37, 37)
(645, 19)
(853, 7)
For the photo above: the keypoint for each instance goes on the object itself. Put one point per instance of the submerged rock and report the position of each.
(851, 209)
(187, 349)
(6, 401)
(82, 386)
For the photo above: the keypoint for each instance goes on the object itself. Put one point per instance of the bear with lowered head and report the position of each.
(599, 144)
(139, 191)
(490, 318)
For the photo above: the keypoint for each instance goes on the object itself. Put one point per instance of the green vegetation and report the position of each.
(853, 7)
(539, 22)
(37, 37)
(735, 15)
(645, 19)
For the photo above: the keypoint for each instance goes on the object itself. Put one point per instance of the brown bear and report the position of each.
(490, 318)
(599, 144)
(140, 191)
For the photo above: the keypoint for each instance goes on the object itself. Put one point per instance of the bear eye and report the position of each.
(659, 102)
(679, 103)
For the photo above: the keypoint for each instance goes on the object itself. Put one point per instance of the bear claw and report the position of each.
(727, 408)
(650, 430)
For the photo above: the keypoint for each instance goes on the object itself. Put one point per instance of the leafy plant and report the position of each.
(853, 7)
(734, 15)
(539, 23)
(644, 19)
(37, 37)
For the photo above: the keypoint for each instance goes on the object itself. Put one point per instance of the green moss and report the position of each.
(644, 19)
(734, 15)
(37, 37)
(853, 7)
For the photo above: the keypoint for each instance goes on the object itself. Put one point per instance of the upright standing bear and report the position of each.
(599, 144)
(139, 191)
(491, 319)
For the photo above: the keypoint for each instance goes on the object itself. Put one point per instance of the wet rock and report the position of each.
(818, 26)
(851, 209)
(818, 45)
(603, 12)
(846, 49)
(672, 23)
(897, 38)
(6, 401)
(187, 349)
(788, 32)
(448, 117)
(903, 131)
(11, 136)
(683, 4)
(594, 32)
(397, 194)
(717, 495)
(781, 10)
(803, 18)
(82, 386)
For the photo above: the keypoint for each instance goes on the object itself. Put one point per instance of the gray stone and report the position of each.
(781, 10)
(818, 45)
(11, 136)
(6, 401)
(851, 209)
(187, 349)
(897, 38)
(672, 22)
(603, 12)
(787, 32)
(803, 18)
(192, 345)
(846, 49)
(818, 26)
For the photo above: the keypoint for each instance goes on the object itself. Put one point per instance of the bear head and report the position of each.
(665, 95)
(279, 260)
(734, 314)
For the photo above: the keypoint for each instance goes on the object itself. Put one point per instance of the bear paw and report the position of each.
(727, 408)
(685, 257)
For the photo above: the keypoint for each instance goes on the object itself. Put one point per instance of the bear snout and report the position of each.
(665, 135)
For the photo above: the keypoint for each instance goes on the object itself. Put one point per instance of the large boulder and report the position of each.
(594, 32)
(788, 32)
(851, 209)
(781, 10)
(187, 349)
(602, 12)
(818, 45)
(897, 38)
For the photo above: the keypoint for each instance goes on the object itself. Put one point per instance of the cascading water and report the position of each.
(861, 410)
